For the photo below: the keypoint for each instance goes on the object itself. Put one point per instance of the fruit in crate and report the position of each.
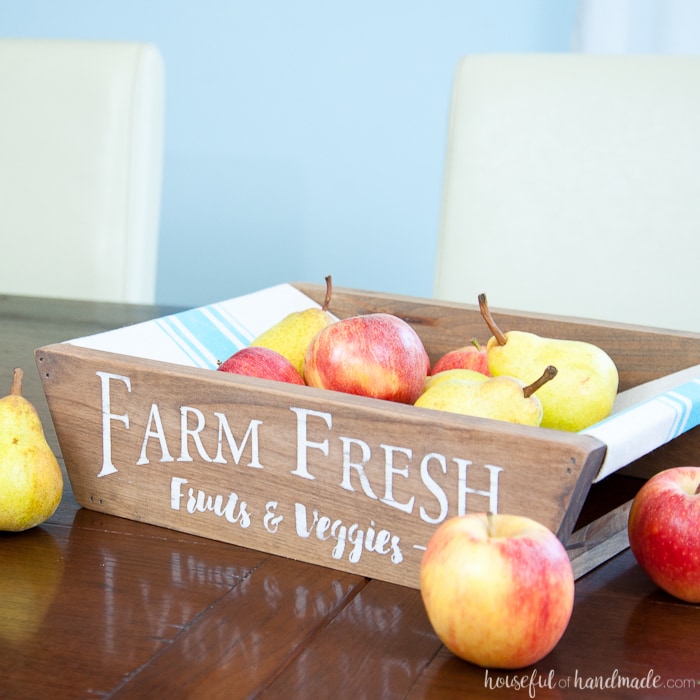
(464, 374)
(377, 355)
(291, 336)
(587, 382)
(31, 482)
(498, 589)
(498, 398)
(472, 356)
(263, 363)
(664, 531)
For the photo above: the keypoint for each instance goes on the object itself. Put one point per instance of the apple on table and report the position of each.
(664, 531)
(498, 588)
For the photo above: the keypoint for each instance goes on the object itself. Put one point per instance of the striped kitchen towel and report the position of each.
(204, 336)
(647, 417)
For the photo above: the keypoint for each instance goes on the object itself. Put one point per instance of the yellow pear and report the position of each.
(291, 336)
(457, 373)
(31, 482)
(587, 382)
(498, 398)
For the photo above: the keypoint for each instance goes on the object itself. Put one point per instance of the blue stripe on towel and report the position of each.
(229, 325)
(686, 400)
(206, 335)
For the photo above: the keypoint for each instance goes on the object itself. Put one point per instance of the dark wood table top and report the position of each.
(94, 606)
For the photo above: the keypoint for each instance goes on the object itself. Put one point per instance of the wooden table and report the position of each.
(97, 606)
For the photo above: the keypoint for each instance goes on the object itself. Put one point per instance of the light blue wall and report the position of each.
(303, 138)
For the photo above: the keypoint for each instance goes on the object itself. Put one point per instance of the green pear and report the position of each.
(499, 398)
(31, 482)
(587, 382)
(292, 335)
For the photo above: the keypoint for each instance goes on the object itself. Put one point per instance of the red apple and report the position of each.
(498, 589)
(664, 531)
(263, 363)
(471, 356)
(377, 355)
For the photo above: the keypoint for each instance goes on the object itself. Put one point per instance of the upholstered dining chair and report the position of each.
(572, 186)
(81, 159)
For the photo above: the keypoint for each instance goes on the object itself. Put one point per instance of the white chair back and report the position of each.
(81, 160)
(572, 186)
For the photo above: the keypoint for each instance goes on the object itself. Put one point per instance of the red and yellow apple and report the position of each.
(377, 355)
(498, 588)
(664, 531)
(472, 356)
(263, 363)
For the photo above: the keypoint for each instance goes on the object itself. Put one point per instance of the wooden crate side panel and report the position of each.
(341, 481)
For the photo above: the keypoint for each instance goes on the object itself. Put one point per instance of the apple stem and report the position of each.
(697, 490)
(329, 293)
(16, 388)
(501, 338)
(476, 344)
(549, 373)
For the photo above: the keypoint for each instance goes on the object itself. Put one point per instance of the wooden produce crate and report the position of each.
(347, 482)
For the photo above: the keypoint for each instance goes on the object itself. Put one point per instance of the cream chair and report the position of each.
(81, 156)
(572, 186)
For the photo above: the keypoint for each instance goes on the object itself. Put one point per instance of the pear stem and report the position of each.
(498, 334)
(329, 293)
(549, 373)
(16, 388)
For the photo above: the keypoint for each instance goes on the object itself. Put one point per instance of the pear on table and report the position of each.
(587, 379)
(292, 335)
(31, 482)
(498, 398)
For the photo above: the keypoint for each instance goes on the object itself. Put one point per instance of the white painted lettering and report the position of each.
(433, 487)
(236, 451)
(176, 495)
(325, 528)
(356, 537)
(105, 377)
(340, 533)
(390, 471)
(271, 520)
(194, 433)
(463, 490)
(304, 528)
(198, 501)
(154, 429)
(349, 465)
(303, 443)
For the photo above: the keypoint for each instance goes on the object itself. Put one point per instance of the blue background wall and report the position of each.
(303, 138)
